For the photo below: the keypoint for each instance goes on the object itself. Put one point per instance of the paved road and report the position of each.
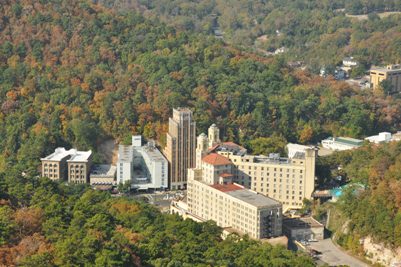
(332, 255)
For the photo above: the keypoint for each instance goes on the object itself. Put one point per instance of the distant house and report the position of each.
(349, 62)
(280, 50)
(341, 143)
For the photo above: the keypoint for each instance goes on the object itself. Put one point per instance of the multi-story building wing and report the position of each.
(125, 166)
(181, 146)
(288, 180)
(79, 166)
(54, 166)
(211, 195)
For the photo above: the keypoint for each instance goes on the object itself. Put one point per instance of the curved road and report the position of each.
(332, 255)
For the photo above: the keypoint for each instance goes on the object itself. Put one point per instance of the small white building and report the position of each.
(349, 62)
(382, 137)
(341, 143)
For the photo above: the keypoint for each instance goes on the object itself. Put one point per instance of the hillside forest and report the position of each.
(320, 33)
(75, 73)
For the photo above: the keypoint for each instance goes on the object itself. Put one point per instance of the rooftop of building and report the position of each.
(58, 154)
(273, 158)
(103, 170)
(182, 109)
(298, 146)
(349, 59)
(152, 152)
(80, 156)
(73, 155)
(246, 195)
(388, 68)
(227, 187)
(253, 198)
(346, 140)
(125, 153)
(216, 159)
(229, 147)
(301, 223)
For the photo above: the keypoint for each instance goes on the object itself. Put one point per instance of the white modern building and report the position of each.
(144, 166)
(382, 137)
(341, 143)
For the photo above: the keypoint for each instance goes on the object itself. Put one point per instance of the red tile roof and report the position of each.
(216, 159)
(227, 187)
(226, 175)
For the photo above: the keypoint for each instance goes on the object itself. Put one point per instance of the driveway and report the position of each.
(332, 255)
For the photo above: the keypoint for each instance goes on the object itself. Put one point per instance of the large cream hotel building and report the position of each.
(288, 180)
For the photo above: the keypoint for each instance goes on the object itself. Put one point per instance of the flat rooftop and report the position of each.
(153, 153)
(298, 146)
(385, 69)
(80, 156)
(345, 140)
(349, 140)
(253, 198)
(230, 147)
(227, 187)
(106, 170)
(183, 109)
(301, 223)
(58, 154)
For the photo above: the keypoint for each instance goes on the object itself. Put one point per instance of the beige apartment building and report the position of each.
(54, 166)
(180, 147)
(390, 72)
(288, 180)
(212, 195)
(79, 166)
(67, 165)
